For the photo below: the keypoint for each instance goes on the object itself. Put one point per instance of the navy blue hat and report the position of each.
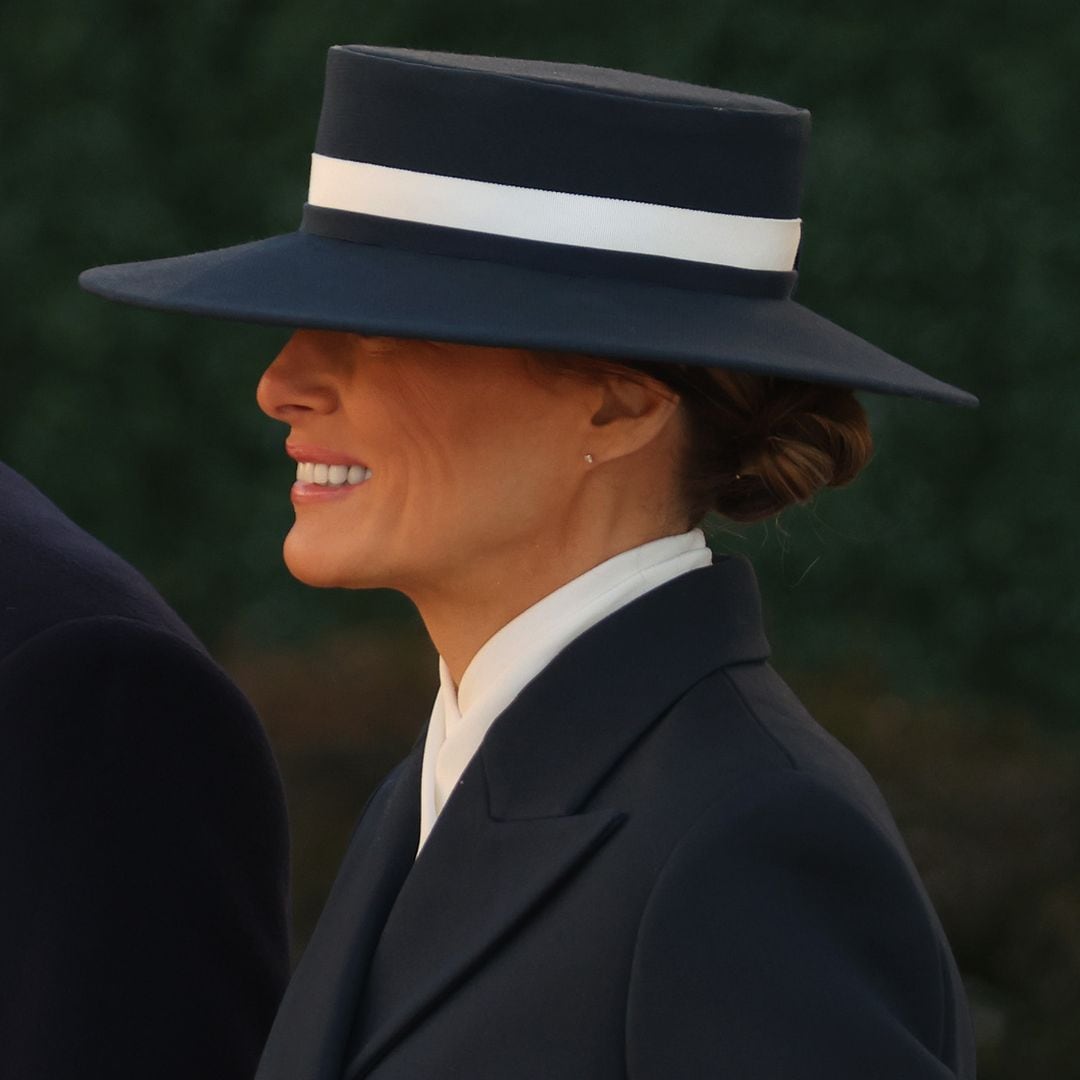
(556, 206)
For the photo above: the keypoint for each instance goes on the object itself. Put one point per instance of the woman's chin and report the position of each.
(316, 568)
(316, 579)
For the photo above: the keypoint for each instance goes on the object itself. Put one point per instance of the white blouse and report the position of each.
(515, 654)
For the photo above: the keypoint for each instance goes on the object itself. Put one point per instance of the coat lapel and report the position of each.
(470, 888)
(516, 827)
(310, 1033)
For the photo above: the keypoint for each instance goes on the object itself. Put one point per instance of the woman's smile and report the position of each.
(323, 474)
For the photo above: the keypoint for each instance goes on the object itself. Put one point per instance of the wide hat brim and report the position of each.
(506, 202)
(300, 279)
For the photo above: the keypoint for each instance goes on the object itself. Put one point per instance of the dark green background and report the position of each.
(939, 591)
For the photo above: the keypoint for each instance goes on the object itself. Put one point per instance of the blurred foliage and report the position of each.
(938, 223)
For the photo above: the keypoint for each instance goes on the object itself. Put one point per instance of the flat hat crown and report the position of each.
(564, 127)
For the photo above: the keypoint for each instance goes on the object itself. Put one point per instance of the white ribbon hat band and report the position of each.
(592, 221)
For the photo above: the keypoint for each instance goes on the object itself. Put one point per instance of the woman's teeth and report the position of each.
(307, 472)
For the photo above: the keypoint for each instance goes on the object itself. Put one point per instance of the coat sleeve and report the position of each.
(143, 912)
(787, 938)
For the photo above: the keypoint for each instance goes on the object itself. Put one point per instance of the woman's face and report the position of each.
(472, 454)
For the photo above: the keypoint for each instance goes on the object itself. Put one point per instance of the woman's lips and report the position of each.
(302, 492)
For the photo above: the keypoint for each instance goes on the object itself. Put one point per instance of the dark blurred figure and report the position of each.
(143, 837)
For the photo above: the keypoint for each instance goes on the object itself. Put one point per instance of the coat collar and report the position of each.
(513, 831)
(578, 717)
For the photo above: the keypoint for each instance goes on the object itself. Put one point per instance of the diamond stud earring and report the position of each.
(589, 458)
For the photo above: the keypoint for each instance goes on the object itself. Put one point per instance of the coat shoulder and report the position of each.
(85, 688)
(776, 856)
(53, 571)
(806, 745)
(742, 724)
(837, 958)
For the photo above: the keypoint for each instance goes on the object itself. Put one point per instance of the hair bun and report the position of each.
(759, 443)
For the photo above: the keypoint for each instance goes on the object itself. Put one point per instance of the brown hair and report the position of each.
(754, 443)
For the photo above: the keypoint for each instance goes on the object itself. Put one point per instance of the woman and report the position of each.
(546, 326)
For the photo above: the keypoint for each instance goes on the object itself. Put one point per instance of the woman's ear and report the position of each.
(633, 412)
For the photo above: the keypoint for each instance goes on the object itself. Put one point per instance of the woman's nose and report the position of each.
(296, 381)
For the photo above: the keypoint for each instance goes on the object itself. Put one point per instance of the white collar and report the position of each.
(521, 649)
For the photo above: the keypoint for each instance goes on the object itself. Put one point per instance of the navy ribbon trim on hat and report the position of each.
(541, 255)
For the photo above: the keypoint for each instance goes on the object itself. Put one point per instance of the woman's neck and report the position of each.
(472, 604)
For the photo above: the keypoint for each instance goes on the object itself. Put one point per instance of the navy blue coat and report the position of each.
(657, 866)
(143, 839)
